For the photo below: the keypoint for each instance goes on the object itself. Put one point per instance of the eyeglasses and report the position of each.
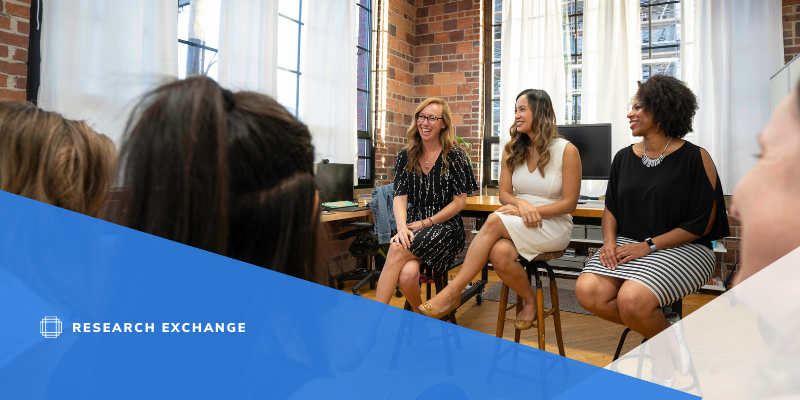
(431, 120)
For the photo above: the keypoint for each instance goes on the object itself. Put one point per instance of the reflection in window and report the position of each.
(661, 38)
(198, 37)
(290, 31)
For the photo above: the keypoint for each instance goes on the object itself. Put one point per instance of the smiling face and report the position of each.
(523, 116)
(641, 121)
(766, 200)
(427, 130)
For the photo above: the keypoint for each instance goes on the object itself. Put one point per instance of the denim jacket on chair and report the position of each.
(383, 213)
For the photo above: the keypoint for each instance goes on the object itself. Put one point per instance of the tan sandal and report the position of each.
(426, 309)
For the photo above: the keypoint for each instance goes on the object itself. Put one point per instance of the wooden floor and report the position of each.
(586, 338)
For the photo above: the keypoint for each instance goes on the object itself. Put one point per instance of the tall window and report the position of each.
(661, 38)
(198, 37)
(366, 154)
(290, 29)
(573, 50)
(491, 143)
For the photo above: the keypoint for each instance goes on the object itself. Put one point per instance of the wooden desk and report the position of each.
(336, 216)
(489, 204)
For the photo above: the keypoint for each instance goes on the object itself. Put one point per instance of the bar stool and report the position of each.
(532, 268)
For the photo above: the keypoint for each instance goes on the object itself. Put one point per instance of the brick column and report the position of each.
(15, 28)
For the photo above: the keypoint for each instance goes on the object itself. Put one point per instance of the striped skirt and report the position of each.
(670, 274)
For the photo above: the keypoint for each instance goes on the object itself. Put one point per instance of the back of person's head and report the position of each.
(230, 173)
(46, 157)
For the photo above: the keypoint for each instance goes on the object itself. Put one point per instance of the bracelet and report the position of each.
(431, 219)
(423, 223)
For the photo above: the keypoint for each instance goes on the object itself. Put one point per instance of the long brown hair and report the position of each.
(48, 158)
(230, 173)
(447, 137)
(544, 127)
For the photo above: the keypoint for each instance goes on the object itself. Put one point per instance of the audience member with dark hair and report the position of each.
(46, 157)
(230, 173)
(664, 206)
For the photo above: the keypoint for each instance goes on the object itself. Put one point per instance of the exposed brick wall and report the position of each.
(433, 50)
(395, 85)
(728, 261)
(791, 29)
(447, 64)
(15, 28)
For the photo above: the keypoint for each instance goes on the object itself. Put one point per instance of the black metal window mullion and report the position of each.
(367, 134)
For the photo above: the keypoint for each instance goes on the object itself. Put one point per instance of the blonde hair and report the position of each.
(48, 158)
(518, 147)
(447, 137)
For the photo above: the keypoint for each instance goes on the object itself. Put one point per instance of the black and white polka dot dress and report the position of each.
(437, 245)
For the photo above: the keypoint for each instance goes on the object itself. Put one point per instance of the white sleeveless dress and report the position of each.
(556, 232)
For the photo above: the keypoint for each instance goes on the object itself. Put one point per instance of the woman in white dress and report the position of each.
(545, 171)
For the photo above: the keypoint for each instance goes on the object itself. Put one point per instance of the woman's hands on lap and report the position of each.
(632, 251)
(416, 226)
(608, 255)
(529, 214)
(404, 237)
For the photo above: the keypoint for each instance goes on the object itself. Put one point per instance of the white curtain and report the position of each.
(532, 56)
(99, 57)
(248, 45)
(729, 51)
(328, 88)
(611, 65)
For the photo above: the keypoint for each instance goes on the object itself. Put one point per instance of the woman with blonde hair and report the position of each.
(545, 171)
(433, 176)
(48, 158)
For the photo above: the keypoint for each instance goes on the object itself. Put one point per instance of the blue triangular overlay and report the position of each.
(297, 341)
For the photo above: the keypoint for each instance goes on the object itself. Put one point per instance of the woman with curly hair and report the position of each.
(433, 176)
(664, 206)
(545, 171)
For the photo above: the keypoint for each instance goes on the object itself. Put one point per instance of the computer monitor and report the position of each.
(594, 144)
(335, 181)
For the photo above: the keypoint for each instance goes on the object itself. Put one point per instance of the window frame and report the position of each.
(297, 71)
(574, 58)
(650, 46)
(369, 132)
(489, 97)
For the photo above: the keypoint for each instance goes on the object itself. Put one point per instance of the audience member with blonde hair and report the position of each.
(46, 157)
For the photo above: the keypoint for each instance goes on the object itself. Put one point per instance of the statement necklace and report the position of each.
(652, 162)
(427, 163)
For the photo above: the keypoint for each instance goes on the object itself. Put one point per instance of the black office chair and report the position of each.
(365, 245)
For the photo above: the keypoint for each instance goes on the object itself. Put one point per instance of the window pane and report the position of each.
(498, 11)
(645, 72)
(288, 45)
(364, 147)
(363, 28)
(364, 168)
(289, 8)
(362, 100)
(665, 24)
(206, 58)
(644, 16)
(287, 91)
(364, 3)
(496, 81)
(496, 46)
(495, 170)
(495, 151)
(496, 129)
(362, 71)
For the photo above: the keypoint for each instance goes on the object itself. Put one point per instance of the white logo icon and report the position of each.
(50, 327)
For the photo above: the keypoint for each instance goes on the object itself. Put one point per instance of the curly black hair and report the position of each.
(672, 103)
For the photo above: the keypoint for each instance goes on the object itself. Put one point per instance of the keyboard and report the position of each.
(350, 209)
